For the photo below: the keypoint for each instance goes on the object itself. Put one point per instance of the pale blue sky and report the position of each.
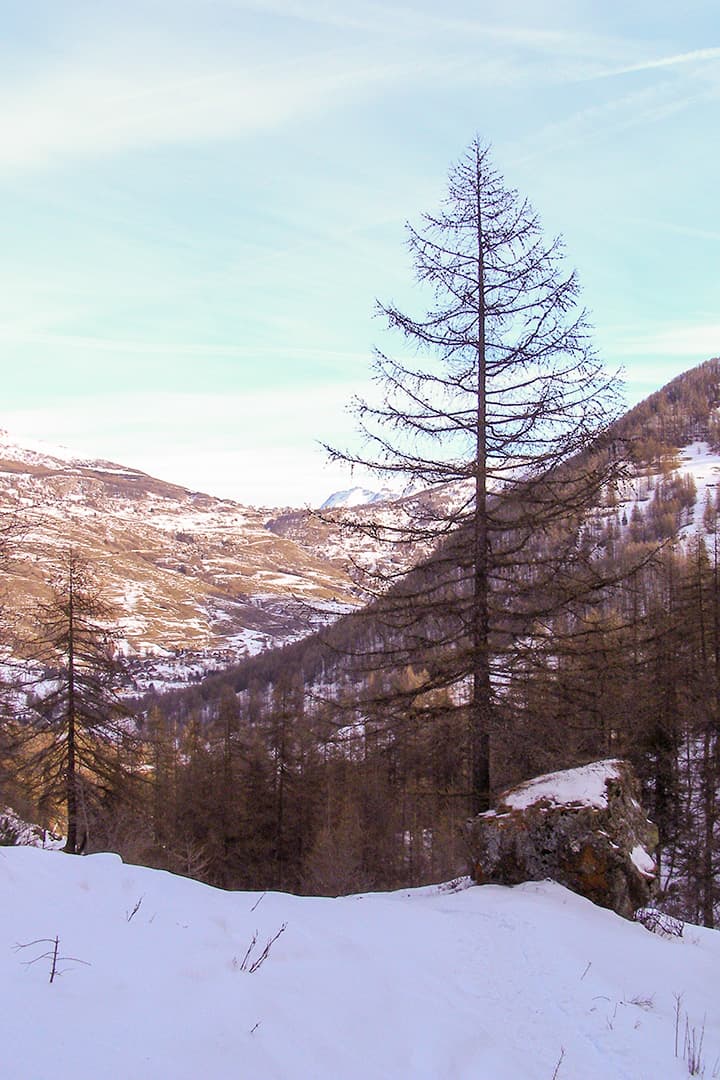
(201, 200)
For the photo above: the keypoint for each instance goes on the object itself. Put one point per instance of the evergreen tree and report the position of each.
(78, 740)
(506, 402)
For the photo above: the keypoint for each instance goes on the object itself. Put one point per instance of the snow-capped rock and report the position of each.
(583, 828)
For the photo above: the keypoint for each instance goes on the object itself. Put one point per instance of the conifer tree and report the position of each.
(505, 400)
(78, 739)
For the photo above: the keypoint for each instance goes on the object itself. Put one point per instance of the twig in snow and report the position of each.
(251, 967)
(266, 951)
(50, 954)
(678, 1000)
(250, 948)
(130, 914)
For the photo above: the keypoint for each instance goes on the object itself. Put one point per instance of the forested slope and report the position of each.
(340, 762)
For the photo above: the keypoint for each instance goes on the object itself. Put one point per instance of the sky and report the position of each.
(203, 199)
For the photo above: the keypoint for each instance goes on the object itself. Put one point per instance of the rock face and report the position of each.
(583, 828)
(14, 832)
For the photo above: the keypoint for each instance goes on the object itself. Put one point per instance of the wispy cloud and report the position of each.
(99, 100)
(107, 111)
(622, 113)
(677, 228)
(696, 56)
(411, 21)
(117, 92)
(685, 341)
(16, 334)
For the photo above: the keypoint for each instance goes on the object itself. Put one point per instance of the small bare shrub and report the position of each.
(657, 922)
(52, 954)
(252, 965)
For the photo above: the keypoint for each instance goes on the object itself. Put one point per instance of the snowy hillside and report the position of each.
(356, 496)
(703, 464)
(480, 983)
(200, 583)
(197, 581)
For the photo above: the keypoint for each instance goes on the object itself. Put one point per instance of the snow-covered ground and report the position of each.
(448, 983)
(703, 464)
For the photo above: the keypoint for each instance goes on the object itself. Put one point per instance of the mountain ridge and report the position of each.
(646, 503)
(196, 579)
(201, 582)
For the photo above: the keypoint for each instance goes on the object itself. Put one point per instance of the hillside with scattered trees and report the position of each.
(341, 762)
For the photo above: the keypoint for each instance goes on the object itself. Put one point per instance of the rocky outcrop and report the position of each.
(14, 832)
(583, 828)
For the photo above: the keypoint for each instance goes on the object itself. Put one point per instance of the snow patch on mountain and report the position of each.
(357, 496)
(703, 464)
(34, 451)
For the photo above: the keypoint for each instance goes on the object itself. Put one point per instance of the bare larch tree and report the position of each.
(500, 395)
(78, 736)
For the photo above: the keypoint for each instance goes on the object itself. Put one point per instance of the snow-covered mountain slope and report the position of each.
(442, 982)
(356, 496)
(365, 536)
(188, 572)
(369, 537)
(702, 463)
(672, 499)
(201, 581)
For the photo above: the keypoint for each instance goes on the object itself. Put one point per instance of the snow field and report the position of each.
(485, 982)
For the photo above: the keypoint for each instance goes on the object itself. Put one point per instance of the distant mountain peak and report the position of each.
(357, 496)
(24, 449)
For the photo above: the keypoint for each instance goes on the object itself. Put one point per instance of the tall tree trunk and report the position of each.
(480, 707)
(71, 845)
